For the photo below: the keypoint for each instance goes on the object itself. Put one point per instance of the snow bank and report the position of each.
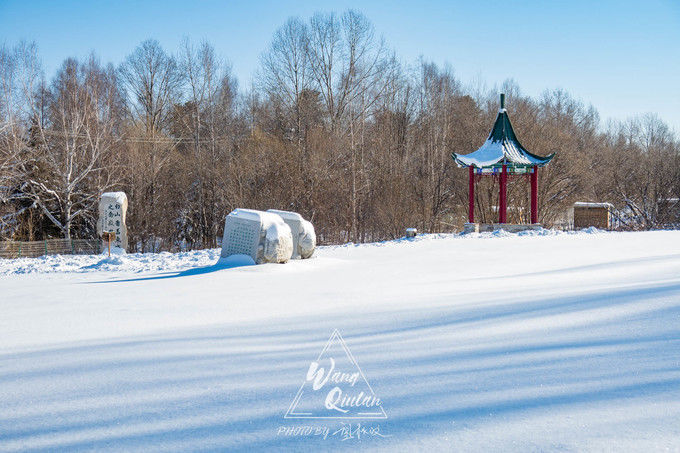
(153, 262)
(236, 261)
(128, 263)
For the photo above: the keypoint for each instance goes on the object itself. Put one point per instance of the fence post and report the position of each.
(46, 247)
(73, 252)
(19, 249)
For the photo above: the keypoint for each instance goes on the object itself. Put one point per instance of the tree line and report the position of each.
(334, 127)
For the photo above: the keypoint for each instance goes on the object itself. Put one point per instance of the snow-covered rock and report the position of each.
(278, 243)
(263, 236)
(307, 241)
(304, 236)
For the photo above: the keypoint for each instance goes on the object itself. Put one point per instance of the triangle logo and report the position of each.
(335, 387)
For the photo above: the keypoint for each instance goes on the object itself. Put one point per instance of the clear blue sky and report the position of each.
(622, 56)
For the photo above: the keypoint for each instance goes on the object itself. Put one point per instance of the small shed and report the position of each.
(598, 215)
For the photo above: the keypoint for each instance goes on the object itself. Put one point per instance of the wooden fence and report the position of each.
(32, 249)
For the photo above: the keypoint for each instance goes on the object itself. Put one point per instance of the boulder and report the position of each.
(304, 237)
(307, 242)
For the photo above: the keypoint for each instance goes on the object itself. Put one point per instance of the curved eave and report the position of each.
(533, 159)
(544, 160)
(501, 148)
(462, 160)
(469, 160)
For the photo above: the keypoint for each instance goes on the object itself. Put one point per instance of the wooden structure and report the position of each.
(108, 237)
(34, 249)
(598, 215)
(502, 156)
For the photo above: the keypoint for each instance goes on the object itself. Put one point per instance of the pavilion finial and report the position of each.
(502, 100)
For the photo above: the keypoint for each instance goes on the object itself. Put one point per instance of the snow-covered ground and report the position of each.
(492, 342)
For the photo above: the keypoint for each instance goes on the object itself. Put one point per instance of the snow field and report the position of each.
(535, 342)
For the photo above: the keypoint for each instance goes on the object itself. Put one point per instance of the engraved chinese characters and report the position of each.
(112, 209)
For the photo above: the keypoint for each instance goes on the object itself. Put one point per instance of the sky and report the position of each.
(622, 56)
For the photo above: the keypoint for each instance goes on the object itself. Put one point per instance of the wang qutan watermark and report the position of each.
(335, 388)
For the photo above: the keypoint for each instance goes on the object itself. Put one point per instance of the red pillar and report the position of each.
(503, 208)
(471, 195)
(534, 195)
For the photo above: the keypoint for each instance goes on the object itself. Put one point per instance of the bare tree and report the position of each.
(351, 69)
(285, 71)
(334, 128)
(152, 81)
(10, 138)
(205, 117)
(69, 141)
(646, 171)
(20, 78)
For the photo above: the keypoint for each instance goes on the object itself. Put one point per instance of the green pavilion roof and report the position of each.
(502, 147)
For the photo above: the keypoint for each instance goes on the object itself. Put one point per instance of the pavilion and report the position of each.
(502, 155)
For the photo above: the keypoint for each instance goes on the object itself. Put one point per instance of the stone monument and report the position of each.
(112, 210)
(263, 236)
